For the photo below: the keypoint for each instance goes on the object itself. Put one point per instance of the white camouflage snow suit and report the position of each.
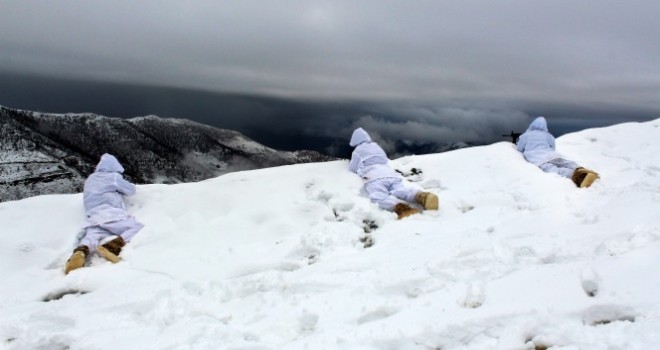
(103, 197)
(369, 161)
(538, 147)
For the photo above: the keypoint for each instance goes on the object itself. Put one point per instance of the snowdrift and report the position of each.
(296, 257)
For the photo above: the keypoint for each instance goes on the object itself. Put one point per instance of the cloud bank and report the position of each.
(303, 73)
(542, 51)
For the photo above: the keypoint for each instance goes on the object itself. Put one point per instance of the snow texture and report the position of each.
(295, 257)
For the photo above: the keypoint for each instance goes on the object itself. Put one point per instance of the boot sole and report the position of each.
(77, 261)
(431, 202)
(588, 180)
(108, 255)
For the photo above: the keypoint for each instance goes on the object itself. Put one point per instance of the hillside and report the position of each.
(53, 153)
(295, 257)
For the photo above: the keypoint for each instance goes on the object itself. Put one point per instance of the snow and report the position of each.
(274, 259)
(247, 145)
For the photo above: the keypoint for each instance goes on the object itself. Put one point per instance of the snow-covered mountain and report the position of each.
(50, 153)
(295, 257)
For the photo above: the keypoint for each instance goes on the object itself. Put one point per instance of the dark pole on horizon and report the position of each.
(513, 135)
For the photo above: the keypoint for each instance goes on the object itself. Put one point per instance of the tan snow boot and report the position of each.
(108, 255)
(427, 200)
(111, 250)
(115, 245)
(584, 178)
(403, 210)
(77, 259)
(589, 180)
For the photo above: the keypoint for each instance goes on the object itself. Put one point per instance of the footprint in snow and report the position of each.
(368, 226)
(475, 296)
(288, 266)
(314, 195)
(605, 314)
(313, 258)
(26, 247)
(590, 281)
(59, 294)
(306, 253)
(367, 240)
(376, 315)
(323, 197)
(339, 210)
(308, 322)
(464, 207)
(433, 184)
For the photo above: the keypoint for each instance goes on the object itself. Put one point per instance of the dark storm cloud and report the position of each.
(281, 123)
(304, 73)
(557, 51)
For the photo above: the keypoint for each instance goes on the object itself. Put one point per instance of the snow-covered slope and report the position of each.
(276, 259)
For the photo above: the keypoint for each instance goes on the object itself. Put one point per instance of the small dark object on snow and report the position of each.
(57, 295)
(369, 225)
(367, 240)
(514, 136)
(413, 171)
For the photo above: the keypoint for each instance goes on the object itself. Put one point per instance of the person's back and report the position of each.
(537, 144)
(368, 159)
(104, 191)
(538, 147)
(107, 218)
(101, 189)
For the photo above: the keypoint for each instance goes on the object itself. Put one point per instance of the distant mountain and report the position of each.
(405, 147)
(54, 153)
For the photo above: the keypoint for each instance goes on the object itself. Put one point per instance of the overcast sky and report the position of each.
(419, 69)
